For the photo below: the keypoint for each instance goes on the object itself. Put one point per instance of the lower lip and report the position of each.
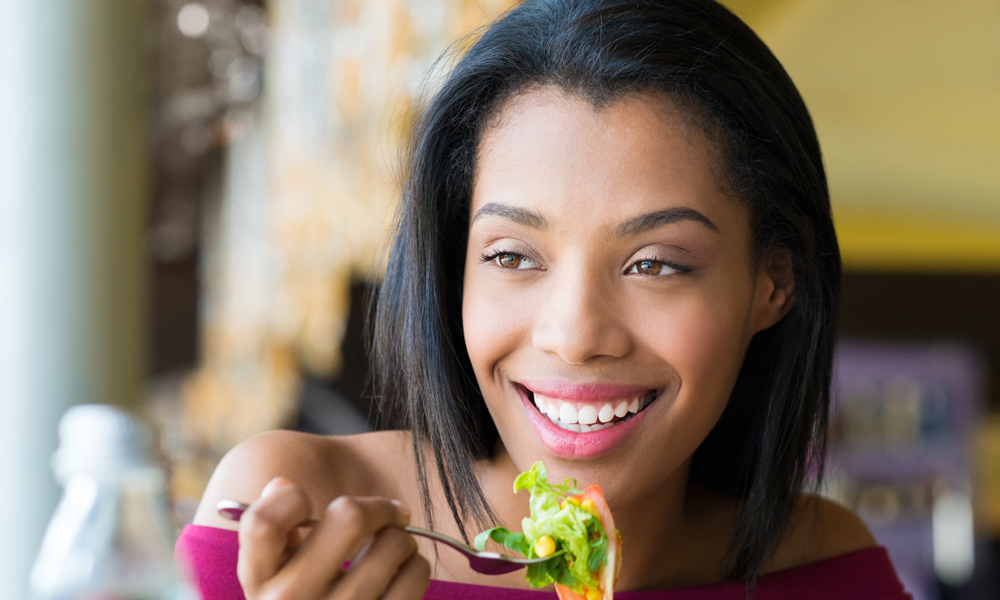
(570, 444)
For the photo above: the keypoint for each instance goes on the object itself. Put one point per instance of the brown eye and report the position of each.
(649, 267)
(509, 261)
(653, 268)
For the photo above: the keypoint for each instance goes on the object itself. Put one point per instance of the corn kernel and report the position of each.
(589, 506)
(545, 546)
(594, 594)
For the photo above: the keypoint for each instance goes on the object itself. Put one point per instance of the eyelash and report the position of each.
(680, 269)
(492, 256)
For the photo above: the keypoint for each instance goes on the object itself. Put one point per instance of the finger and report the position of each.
(411, 581)
(347, 523)
(267, 528)
(374, 569)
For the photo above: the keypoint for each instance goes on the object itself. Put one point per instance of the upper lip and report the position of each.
(583, 392)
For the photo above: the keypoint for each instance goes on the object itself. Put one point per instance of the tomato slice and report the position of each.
(565, 593)
(608, 574)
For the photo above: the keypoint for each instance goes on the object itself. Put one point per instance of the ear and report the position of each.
(775, 293)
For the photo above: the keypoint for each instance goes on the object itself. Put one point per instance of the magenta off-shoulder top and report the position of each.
(209, 554)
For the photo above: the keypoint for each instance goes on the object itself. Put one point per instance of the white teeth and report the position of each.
(567, 413)
(587, 415)
(622, 409)
(586, 418)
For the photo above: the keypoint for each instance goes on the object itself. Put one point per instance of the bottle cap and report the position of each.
(98, 440)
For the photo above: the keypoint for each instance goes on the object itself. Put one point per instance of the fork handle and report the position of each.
(233, 511)
(440, 538)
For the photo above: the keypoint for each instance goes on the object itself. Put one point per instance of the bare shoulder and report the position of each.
(819, 529)
(370, 464)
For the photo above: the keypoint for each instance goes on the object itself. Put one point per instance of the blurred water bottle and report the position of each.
(110, 537)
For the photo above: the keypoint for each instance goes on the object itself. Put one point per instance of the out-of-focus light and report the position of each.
(252, 22)
(236, 124)
(954, 545)
(221, 61)
(193, 20)
(243, 81)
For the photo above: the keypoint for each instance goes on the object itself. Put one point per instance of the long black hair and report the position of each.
(699, 56)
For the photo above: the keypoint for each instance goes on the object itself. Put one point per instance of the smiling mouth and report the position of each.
(584, 417)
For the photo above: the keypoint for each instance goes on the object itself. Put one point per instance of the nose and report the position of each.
(580, 320)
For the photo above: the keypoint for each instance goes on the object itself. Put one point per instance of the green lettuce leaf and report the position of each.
(510, 540)
(573, 529)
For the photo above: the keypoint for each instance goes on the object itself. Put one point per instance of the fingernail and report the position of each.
(273, 485)
(402, 508)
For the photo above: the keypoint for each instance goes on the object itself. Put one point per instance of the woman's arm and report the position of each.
(313, 462)
(287, 477)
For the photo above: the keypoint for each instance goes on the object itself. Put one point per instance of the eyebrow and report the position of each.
(521, 216)
(640, 224)
(650, 221)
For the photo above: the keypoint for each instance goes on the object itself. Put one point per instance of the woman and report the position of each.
(609, 204)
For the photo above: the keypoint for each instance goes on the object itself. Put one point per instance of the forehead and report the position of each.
(551, 148)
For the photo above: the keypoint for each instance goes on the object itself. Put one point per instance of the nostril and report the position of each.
(578, 325)
(580, 345)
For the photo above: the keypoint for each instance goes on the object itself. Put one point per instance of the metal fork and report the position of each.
(488, 563)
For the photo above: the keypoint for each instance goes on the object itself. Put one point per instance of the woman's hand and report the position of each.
(275, 564)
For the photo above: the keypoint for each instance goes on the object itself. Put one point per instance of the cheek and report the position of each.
(496, 324)
(709, 340)
(703, 338)
(490, 325)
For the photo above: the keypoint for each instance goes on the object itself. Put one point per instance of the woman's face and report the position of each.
(609, 290)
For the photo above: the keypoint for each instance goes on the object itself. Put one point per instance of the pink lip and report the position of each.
(569, 444)
(590, 392)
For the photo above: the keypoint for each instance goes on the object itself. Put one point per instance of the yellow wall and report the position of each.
(906, 99)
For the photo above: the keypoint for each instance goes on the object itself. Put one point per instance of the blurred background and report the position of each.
(192, 196)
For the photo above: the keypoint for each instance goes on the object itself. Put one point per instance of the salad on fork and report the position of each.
(564, 518)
